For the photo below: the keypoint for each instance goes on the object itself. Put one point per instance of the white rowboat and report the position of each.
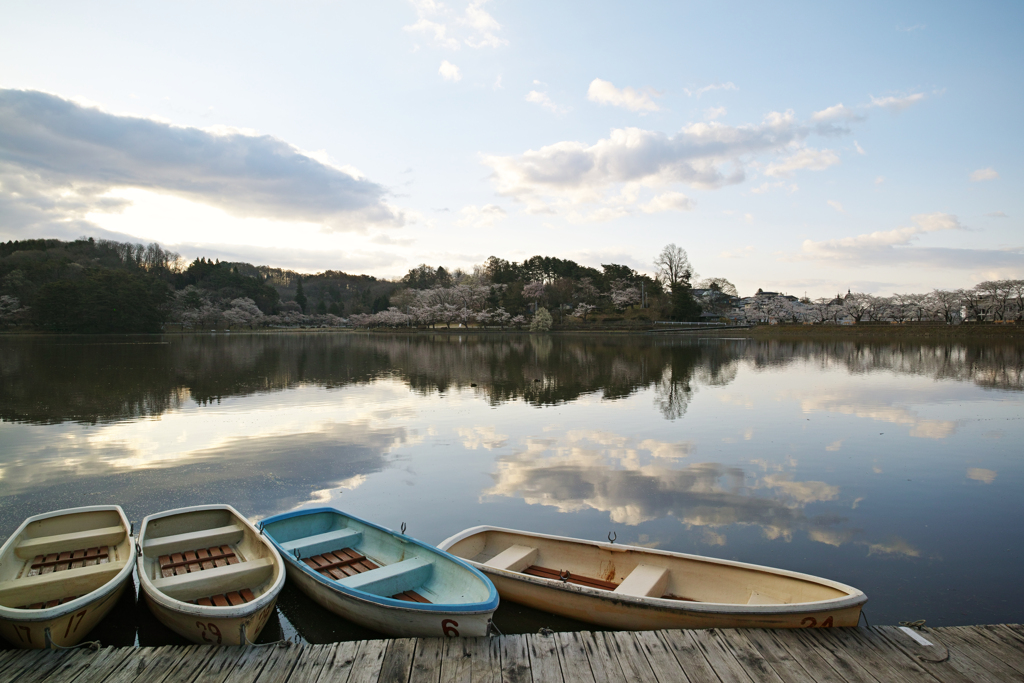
(208, 574)
(631, 588)
(381, 579)
(61, 572)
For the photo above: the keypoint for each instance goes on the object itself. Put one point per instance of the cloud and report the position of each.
(476, 27)
(890, 247)
(982, 475)
(708, 88)
(59, 161)
(879, 180)
(713, 113)
(997, 214)
(896, 104)
(481, 217)
(836, 205)
(603, 92)
(541, 98)
(702, 155)
(983, 174)
(668, 201)
(860, 150)
(838, 112)
(806, 158)
(449, 71)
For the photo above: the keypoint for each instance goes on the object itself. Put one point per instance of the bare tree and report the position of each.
(674, 265)
(718, 284)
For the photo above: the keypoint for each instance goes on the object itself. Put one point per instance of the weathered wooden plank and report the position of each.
(398, 660)
(339, 662)
(801, 641)
(106, 661)
(718, 656)
(752, 661)
(689, 657)
(1008, 634)
(191, 661)
(771, 653)
(662, 661)
(281, 659)
(544, 657)
(10, 658)
(632, 660)
(248, 666)
(220, 664)
(919, 656)
(603, 664)
(1012, 654)
(368, 662)
(572, 655)
(485, 660)
(515, 659)
(426, 662)
(311, 663)
(52, 664)
(140, 661)
(457, 661)
(982, 657)
(26, 660)
(807, 667)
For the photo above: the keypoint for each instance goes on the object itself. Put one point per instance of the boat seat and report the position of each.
(332, 540)
(232, 599)
(196, 560)
(30, 590)
(340, 563)
(411, 596)
(391, 579)
(513, 559)
(588, 581)
(230, 577)
(57, 562)
(166, 545)
(645, 580)
(90, 538)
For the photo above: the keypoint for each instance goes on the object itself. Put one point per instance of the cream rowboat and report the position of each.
(630, 588)
(208, 574)
(61, 572)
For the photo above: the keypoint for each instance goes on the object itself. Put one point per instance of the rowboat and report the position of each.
(381, 579)
(631, 588)
(208, 574)
(61, 572)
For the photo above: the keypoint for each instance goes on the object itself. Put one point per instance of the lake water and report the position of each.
(896, 468)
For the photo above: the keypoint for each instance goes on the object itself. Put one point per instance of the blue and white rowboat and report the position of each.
(381, 579)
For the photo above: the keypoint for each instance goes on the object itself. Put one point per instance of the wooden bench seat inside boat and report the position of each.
(72, 559)
(513, 559)
(45, 588)
(166, 545)
(190, 561)
(232, 599)
(326, 542)
(646, 581)
(90, 538)
(391, 579)
(342, 563)
(217, 580)
(589, 582)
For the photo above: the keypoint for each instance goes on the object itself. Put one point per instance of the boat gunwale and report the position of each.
(211, 611)
(855, 597)
(102, 592)
(481, 607)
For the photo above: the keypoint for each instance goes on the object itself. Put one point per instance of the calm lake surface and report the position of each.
(896, 468)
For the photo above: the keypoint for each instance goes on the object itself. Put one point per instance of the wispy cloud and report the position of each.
(59, 161)
(983, 174)
(541, 98)
(450, 72)
(475, 27)
(481, 216)
(604, 92)
(836, 205)
(708, 88)
(897, 103)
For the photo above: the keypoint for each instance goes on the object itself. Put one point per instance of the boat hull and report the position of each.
(41, 563)
(632, 588)
(393, 621)
(68, 627)
(609, 612)
(237, 629)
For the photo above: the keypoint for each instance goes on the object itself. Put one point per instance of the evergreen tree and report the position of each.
(300, 296)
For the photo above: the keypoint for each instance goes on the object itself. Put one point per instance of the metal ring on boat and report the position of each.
(564, 575)
(612, 536)
(403, 527)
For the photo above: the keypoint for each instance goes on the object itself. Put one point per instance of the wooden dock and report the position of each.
(970, 654)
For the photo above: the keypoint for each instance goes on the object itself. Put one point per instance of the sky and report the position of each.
(808, 148)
